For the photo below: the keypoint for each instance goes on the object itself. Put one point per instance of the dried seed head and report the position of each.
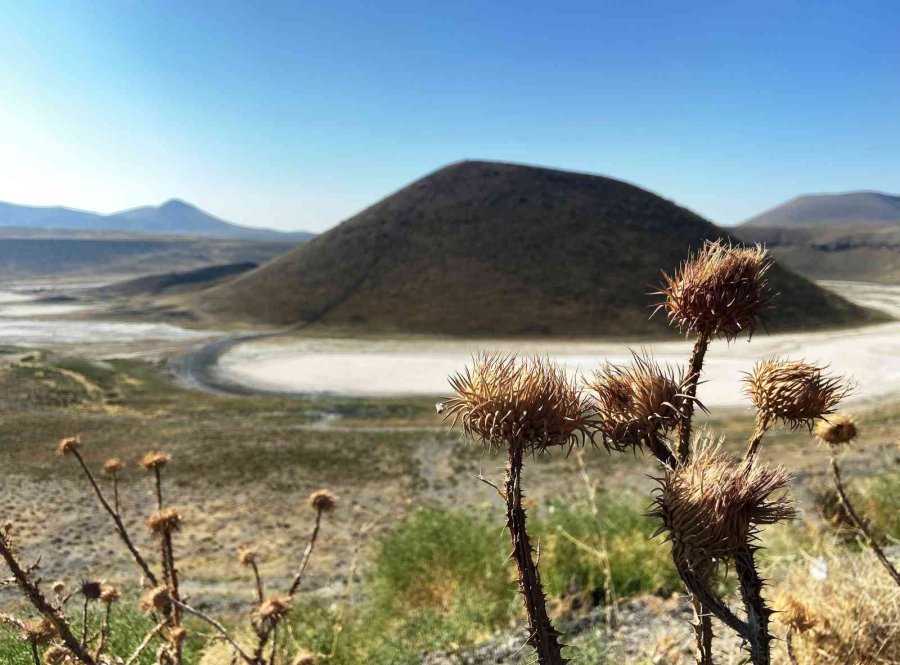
(177, 635)
(794, 392)
(272, 610)
(637, 402)
(58, 655)
(712, 507)
(322, 501)
(113, 465)
(304, 658)
(155, 460)
(719, 291)
(164, 521)
(247, 556)
(795, 614)
(109, 594)
(68, 445)
(91, 589)
(836, 429)
(507, 401)
(58, 587)
(38, 631)
(155, 599)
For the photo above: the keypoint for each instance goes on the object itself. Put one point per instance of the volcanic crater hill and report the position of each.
(856, 209)
(481, 248)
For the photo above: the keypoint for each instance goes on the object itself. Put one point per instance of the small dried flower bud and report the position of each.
(155, 460)
(164, 521)
(68, 445)
(795, 613)
(58, 655)
(109, 594)
(836, 430)
(177, 635)
(304, 658)
(247, 556)
(507, 401)
(38, 631)
(58, 587)
(155, 599)
(322, 501)
(113, 465)
(794, 392)
(91, 589)
(719, 291)
(272, 610)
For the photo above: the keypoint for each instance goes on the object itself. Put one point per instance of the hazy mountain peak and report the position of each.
(859, 208)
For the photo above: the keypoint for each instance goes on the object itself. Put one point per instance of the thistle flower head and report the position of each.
(91, 589)
(836, 429)
(794, 392)
(113, 465)
(58, 587)
(272, 610)
(155, 460)
(247, 556)
(68, 445)
(507, 401)
(109, 594)
(322, 501)
(711, 507)
(38, 631)
(637, 402)
(719, 291)
(157, 598)
(165, 521)
(58, 655)
(795, 614)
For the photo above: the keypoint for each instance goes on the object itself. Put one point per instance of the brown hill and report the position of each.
(847, 209)
(480, 248)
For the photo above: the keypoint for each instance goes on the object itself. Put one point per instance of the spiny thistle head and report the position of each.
(795, 392)
(836, 429)
(719, 291)
(38, 631)
(58, 655)
(637, 402)
(91, 589)
(155, 460)
(795, 614)
(68, 445)
(164, 521)
(113, 465)
(157, 598)
(272, 610)
(322, 501)
(711, 507)
(507, 401)
(247, 556)
(109, 594)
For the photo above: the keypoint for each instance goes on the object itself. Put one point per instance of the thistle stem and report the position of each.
(542, 635)
(860, 524)
(704, 633)
(694, 370)
(762, 425)
(757, 612)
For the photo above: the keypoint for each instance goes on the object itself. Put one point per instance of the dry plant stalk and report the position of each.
(160, 593)
(526, 406)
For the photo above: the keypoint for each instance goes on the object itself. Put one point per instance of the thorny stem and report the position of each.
(115, 480)
(117, 520)
(860, 524)
(145, 643)
(158, 486)
(42, 605)
(542, 635)
(762, 425)
(218, 627)
(710, 602)
(84, 622)
(757, 612)
(694, 370)
(661, 451)
(260, 593)
(34, 654)
(704, 633)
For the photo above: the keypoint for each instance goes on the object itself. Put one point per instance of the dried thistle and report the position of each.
(712, 507)
(247, 556)
(795, 392)
(177, 635)
(272, 610)
(91, 589)
(719, 291)
(506, 401)
(155, 460)
(109, 594)
(322, 501)
(58, 587)
(164, 521)
(68, 445)
(836, 429)
(58, 655)
(637, 403)
(795, 614)
(39, 631)
(113, 465)
(157, 598)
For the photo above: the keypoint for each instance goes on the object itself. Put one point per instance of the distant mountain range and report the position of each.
(848, 209)
(484, 248)
(174, 217)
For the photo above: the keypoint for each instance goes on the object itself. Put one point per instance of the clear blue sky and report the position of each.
(296, 115)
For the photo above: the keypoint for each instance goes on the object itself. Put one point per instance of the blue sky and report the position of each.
(297, 115)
